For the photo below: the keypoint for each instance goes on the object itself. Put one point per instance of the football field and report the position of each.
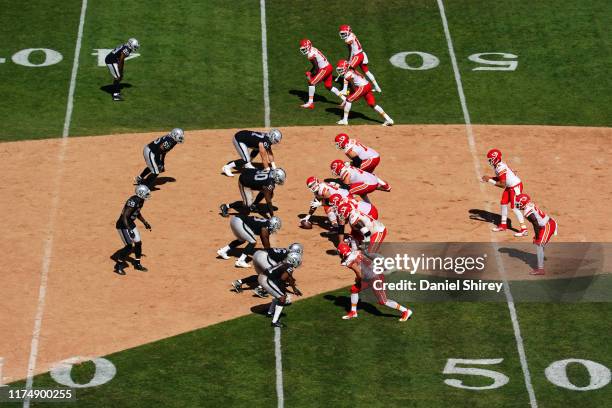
(457, 77)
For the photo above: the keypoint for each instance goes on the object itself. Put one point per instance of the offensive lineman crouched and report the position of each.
(126, 227)
(264, 182)
(115, 61)
(155, 156)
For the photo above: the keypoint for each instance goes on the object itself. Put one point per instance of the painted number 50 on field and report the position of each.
(423, 61)
(556, 373)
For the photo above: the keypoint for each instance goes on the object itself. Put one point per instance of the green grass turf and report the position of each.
(34, 98)
(564, 58)
(371, 361)
(200, 63)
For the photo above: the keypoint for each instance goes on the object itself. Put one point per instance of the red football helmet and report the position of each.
(521, 201)
(305, 46)
(341, 140)
(313, 183)
(344, 210)
(336, 167)
(335, 199)
(344, 31)
(343, 249)
(342, 67)
(494, 156)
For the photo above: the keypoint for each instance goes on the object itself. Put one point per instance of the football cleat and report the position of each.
(350, 315)
(406, 315)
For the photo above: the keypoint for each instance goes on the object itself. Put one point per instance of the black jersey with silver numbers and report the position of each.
(277, 254)
(113, 56)
(255, 224)
(162, 145)
(257, 179)
(253, 139)
(131, 209)
(275, 272)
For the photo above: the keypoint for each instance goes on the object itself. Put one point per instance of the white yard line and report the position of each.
(264, 62)
(280, 395)
(48, 242)
(472, 145)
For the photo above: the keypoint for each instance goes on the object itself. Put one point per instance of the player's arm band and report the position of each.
(492, 181)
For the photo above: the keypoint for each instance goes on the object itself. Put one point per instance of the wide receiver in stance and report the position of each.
(361, 156)
(508, 180)
(322, 71)
(544, 227)
(365, 277)
(357, 56)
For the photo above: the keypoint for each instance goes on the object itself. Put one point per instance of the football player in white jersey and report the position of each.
(357, 56)
(361, 89)
(508, 180)
(322, 71)
(544, 227)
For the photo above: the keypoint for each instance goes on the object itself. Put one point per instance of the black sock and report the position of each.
(116, 87)
(235, 243)
(145, 173)
(150, 180)
(250, 281)
(250, 248)
(254, 153)
(138, 250)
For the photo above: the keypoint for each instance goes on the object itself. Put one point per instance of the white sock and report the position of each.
(371, 78)
(382, 113)
(347, 109)
(354, 301)
(504, 214)
(519, 216)
(242, 257)
(311, 91)
(277, 312)
(394, 305)
(540, 254)
(225, 248)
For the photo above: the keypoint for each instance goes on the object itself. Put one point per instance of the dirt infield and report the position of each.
(91, 311)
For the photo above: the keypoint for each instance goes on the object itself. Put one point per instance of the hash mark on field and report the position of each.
(472, 144)
(48, 243)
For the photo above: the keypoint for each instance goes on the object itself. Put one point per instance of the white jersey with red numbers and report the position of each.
(362, 206)
(362, 151)
(356, 258)
(354, 43)
(356, 175)
(315, 54)
(359, 221)
(355, 78)
(505, 174)
(542, 218)
(325, 190)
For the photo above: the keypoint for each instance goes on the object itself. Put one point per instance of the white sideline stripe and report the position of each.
(264, 62)
(48, 243)
(472, 144)
(75, 68)
(280, 396)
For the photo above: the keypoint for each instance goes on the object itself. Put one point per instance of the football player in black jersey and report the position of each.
(247, 229)
(264, 259)
(155, 156)
(256, 180)
(126, 227)
(115, 61)
(275, 280)
(259, 143)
